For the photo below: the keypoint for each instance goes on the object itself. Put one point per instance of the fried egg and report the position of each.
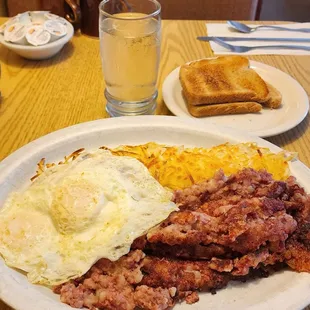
(76, 213)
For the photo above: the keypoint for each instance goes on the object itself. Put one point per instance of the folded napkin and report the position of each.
(223, 30)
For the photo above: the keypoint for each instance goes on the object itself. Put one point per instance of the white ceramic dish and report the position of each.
(284, 290)
(40, 52)
(295, 104)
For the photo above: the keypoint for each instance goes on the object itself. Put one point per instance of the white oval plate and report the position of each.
(284, 290)
(295, 104)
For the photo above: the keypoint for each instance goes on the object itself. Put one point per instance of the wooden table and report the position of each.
(42, 96)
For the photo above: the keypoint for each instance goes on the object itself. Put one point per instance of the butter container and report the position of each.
(37, 35)
(55, 28)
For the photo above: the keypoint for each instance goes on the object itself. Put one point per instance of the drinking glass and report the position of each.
(130, 32)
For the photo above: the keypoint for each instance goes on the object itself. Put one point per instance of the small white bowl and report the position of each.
(40, 52)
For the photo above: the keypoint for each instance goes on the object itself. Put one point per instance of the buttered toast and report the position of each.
(223, 108)
(222, 80)
(274, 99)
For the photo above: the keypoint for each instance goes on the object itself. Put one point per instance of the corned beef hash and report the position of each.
(148, 226)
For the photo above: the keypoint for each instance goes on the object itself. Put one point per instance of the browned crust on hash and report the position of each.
(41, 166)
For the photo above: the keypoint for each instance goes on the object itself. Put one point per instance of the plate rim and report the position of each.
(60, 136)
(170, 81)
(157, 120)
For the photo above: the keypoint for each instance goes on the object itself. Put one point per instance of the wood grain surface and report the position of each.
(42, 96)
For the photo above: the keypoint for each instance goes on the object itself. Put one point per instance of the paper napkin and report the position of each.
(223, 30)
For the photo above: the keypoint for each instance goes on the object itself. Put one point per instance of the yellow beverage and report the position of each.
(130, 55)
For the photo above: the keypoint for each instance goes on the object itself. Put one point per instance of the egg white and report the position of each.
(76, 213)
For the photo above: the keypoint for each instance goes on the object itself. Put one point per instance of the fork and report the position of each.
(246, 29)
(243, 49)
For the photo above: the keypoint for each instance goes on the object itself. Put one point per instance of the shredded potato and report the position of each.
(41, 166)
(179, 167)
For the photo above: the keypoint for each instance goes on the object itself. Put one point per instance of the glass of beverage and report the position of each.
(130, 33)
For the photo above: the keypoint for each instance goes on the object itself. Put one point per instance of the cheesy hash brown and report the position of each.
(177, 167)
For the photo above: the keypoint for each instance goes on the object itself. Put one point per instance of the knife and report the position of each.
(255, 39)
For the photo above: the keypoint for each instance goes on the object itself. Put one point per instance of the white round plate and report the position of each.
(283, 290)
(295, 104)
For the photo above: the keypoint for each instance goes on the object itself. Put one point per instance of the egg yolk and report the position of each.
(75, 205)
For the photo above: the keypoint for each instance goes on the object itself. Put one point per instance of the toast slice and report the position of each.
(274, 99)
(221, 80)
(224, 108)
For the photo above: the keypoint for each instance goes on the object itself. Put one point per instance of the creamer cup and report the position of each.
(19, 36)
(38, 17)
(36, 35)
(55, 28)
(11, 21)
(35, 24)
(50, 16)
(15, 33)
(24, 18)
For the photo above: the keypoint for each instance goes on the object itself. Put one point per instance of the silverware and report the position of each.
(255, 39)
(243, 49)
(246, 29)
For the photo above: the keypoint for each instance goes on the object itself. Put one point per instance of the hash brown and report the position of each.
(177, 167)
